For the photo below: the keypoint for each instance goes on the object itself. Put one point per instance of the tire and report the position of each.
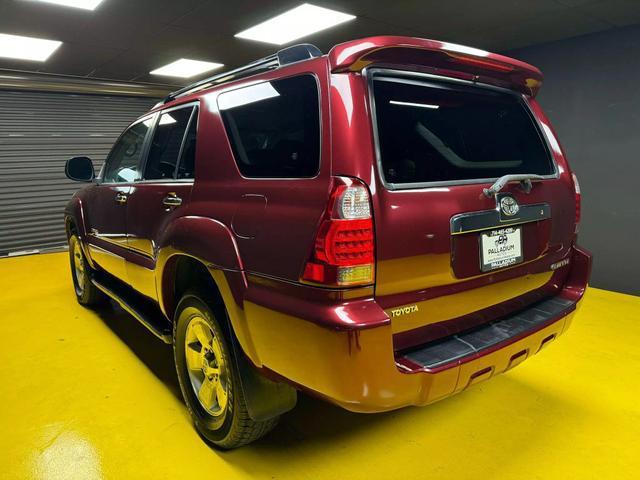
(209, 377)
(87, 293)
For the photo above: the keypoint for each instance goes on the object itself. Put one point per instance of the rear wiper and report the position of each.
(524, 179)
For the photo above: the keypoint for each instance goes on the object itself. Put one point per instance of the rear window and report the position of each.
(274, 127)
(438, 132)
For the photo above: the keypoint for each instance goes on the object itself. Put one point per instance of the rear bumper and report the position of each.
(359, 370)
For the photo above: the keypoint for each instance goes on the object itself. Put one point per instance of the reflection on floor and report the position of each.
(92, 395)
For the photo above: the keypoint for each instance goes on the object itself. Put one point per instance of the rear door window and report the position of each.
(186, 167)
(447, 133)
(123, 164)
(167, 144)
(274, 127)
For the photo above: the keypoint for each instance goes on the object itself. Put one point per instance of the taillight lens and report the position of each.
(343, 253)
(576, 187)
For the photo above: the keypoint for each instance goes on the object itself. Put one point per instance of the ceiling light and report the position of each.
(26, 48)
(454, 47)
(167, 119)
(296, 23)
(412, 104)
(84, 4)
(245, 96)
(186, 68)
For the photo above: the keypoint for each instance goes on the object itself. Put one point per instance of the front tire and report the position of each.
(87, 293)
(209, 377)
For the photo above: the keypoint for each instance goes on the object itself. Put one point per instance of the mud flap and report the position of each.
(265, 399)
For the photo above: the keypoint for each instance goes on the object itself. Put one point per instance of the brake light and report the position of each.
(343, 253)
(576, 187)
(482, 63)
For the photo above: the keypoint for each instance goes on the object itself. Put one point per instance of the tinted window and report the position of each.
(438, 132)
(274, 127)
(124, 161)
(187, 163)
(166, 145)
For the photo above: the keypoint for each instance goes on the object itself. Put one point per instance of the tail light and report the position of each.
(576, 187)
(343, 253)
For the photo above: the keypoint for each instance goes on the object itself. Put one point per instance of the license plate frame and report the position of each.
(500, 248)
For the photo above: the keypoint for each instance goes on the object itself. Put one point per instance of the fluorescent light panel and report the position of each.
(185, 68)
(296, 23)
(412, 104)
(167, 119)
(26, 48)
(245, 96)
(84, 4)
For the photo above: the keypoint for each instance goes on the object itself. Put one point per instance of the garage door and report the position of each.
(38, 133)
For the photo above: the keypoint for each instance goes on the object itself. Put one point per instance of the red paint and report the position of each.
(262, 233)
(443, 56)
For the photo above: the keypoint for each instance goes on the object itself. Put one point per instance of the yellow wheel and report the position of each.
(208, 374)
(86, 292)
(208, 371)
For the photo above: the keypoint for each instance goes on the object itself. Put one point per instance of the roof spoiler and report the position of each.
(443, 58)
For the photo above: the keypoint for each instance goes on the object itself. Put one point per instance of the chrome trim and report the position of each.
(171, 200)
(396, 75)
(487, 219)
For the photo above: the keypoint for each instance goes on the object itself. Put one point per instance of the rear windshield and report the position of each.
(438, 132)
(274, 127)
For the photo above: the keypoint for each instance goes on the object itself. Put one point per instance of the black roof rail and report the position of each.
(295, 53)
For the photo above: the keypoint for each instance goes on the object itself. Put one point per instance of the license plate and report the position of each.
(500, 248)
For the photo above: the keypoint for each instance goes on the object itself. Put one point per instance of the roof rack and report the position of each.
(295, 53)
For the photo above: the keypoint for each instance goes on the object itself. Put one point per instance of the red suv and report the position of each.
(381, 226)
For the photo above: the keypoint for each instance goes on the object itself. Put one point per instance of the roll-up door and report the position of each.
(39, 131)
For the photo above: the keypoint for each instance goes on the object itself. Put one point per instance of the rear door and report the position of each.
(162, 193)
(449, 256)
(107, 204)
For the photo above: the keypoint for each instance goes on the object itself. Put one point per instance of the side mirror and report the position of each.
(80, 169)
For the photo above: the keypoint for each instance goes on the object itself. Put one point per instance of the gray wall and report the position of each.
(591, 93)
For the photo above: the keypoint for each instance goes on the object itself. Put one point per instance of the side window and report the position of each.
(123, 164)
(274, 127)
(186, 168)
(166, 144)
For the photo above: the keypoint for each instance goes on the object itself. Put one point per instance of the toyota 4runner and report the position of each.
(382, 226)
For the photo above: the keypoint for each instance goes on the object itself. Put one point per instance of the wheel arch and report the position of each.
(74, 223)
(199, 246)
(265, 398)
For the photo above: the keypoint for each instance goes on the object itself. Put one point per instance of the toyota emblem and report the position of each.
(509, 206)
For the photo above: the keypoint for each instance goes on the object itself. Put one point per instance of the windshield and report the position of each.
(440, 132)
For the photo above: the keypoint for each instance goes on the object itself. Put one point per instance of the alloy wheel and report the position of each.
(206, 365)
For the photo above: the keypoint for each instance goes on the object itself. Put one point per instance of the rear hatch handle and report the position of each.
(523, 178)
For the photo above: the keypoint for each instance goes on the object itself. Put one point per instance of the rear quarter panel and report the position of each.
(273, 220)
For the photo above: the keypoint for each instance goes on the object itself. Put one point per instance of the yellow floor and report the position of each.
(92, 396)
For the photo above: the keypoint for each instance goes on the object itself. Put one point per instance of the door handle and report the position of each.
(121, 198)
(172, 200)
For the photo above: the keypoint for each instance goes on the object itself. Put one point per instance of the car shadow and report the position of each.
(315, 431)
(308, 415)
(156, 355)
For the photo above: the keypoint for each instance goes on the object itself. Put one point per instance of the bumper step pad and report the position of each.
(474, 341)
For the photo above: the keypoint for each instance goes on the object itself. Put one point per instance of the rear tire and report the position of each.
(209, 377)
(87, 293)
